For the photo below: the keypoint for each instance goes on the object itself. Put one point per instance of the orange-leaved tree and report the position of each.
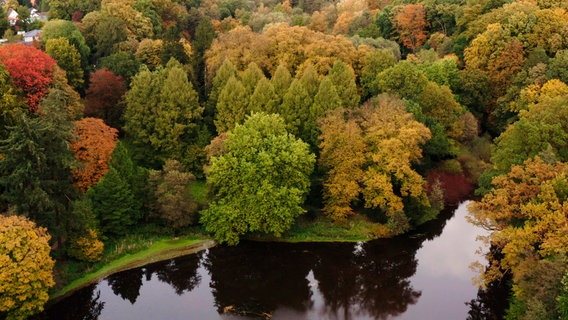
(411, 25)
(92, 147)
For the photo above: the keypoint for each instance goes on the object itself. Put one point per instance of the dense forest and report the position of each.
(236, 118)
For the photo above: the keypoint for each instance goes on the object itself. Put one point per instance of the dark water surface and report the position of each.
(420, 276)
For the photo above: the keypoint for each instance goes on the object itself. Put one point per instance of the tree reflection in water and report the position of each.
(180, 273)
(85, 304)
(126, 284)
(257, 278)
(369, 280)
(372, 281)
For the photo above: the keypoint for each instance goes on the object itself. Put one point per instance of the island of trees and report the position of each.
(134, 119)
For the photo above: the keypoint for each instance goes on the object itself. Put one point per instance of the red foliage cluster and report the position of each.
(456, 186)
(31, 70)
(103, 96)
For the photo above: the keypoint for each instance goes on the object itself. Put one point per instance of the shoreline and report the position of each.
(162, 250)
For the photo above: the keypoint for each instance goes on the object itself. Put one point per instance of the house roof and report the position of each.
(12, 14)
(33, 33)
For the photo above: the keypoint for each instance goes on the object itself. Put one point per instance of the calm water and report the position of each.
(421, 276)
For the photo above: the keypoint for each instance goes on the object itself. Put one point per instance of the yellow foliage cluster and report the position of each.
(88, 247)
(293, 47)
(369, 152)
(25, 267)
(527, 214)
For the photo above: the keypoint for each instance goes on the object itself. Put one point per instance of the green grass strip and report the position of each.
(158, 251)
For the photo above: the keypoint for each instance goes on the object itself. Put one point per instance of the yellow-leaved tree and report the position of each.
(369, 151)
(527, 214)
(25, 267)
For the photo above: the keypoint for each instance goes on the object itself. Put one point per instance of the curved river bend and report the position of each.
(424, 275)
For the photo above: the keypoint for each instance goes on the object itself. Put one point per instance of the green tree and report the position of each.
(4, 23)
(224, 73)
(231, 105)
(375, 62)
(161, 114)
(541, 127)
(281, 80)
(173, 47)
(204, 35)
(25, 267)
(122, 161)
(64, 9)
(326, 98)
(36, 167)
(404, 79)
(558, 67)
(104, 33)
(23, 17)
(122, 63)
(173, 202)
(250, 191)
(295, 108)
(54, 29)
(68, 58)
(438, 103)
(11, 102)
(310, 80)
(343, 77)
(263, 98)
(114, 204)
(250, 77)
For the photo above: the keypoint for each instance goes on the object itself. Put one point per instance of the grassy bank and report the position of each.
(123, 256)
(323, 229)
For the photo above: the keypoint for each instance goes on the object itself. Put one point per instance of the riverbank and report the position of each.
(356, 228)
(159, 250)
(134, 252)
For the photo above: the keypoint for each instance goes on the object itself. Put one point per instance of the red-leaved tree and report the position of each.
(93, 147)
(31, 70)
(103, 96)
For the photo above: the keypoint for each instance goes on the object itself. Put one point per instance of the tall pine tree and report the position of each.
(36, 167)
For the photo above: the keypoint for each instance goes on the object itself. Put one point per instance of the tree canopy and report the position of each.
(370, 152)
(31, 70)
(25, 267)
(162, 110)
(259, 182)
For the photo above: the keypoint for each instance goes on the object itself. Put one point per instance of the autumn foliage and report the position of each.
(93, 147)
(368, 153)
(25, 267)
(456, 187)
(87, 247)
(31, 70)
(411, 25)
(526, 213)
(103, 96)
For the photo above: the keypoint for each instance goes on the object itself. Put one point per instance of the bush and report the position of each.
(87, 248)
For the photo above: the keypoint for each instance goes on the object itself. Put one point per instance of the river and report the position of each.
(423, 275)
